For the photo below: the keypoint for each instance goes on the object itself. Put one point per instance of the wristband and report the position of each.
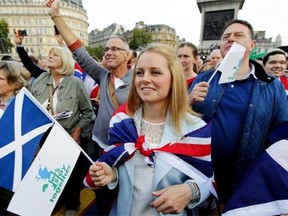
(195, 192)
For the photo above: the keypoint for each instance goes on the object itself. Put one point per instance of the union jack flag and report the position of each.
(193, 149)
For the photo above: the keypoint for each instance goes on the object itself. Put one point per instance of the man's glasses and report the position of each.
(114, 49)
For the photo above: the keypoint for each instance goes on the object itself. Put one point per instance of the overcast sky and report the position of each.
(184, 15)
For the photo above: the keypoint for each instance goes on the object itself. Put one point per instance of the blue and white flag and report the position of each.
(21, 128)
(264, 190)
(41, 187)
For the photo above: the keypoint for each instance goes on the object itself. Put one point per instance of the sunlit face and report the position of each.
(238, 33)
(186, 58)
(153, 79)
(6, 89)
(275, 65)
(54, 61)
(115, 53)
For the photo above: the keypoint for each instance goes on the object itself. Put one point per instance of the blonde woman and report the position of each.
(150, 138)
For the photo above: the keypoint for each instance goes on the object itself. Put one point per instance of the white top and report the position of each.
(143, 188)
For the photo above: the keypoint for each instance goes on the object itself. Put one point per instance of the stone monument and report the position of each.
(215, 13)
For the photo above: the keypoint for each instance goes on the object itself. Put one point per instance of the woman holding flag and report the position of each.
(159, 153)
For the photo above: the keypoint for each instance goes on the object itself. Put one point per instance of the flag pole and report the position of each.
(75, 143)
(212, 76)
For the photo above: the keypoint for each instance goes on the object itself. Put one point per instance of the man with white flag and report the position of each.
(244, 107)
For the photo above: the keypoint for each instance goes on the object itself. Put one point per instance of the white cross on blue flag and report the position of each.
(21, 128)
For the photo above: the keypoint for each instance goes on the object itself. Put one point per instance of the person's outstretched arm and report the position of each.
(69, 37)
(25, 59)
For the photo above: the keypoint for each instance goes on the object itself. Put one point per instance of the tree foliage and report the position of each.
(96, 51)
(140, 38)
(5, 44)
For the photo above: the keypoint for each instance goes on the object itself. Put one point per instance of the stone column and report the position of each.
(215, 13)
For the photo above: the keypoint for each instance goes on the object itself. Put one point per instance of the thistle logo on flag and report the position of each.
(53, 180)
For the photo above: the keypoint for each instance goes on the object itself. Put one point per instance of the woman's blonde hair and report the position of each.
(177, 102)
(15, 74)
(68, 63)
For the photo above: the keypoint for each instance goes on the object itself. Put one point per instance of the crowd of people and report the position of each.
(167, 138)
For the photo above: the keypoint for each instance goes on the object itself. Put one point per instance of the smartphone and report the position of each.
(22, 33)
(56, 30)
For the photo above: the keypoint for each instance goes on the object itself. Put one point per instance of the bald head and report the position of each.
(215, 57)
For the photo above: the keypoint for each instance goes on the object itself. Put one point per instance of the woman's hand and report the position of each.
(102, 174)
(172, 199)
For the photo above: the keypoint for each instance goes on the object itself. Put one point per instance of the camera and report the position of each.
(22, 33)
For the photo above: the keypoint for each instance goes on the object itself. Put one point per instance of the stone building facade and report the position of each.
(99, 38)
(160, 34)
(266, 44)
(32, 15)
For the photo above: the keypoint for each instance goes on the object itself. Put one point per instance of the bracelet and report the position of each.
(195, 191)
(52, 17)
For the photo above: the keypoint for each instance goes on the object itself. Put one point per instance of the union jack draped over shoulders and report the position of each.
(193, 149)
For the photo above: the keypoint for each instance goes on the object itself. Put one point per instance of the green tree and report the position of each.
(5, 44)
(140, 38)
(96, 51)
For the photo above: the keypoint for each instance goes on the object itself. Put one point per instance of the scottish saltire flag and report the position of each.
(21, 128)
(46, 178)
(264, 191)
(191, 154)
(230, 65)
